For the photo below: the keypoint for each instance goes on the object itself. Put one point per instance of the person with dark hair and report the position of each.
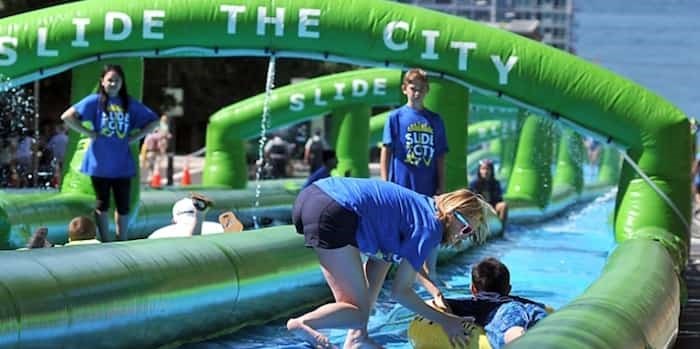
(504, 317)
(489, 187)
(313, 151)
(81, 231)
(39, 239)
(277, 153)
(112, 120)
(329, 163)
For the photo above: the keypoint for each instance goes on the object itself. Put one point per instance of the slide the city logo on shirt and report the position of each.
(420, 144)
(114, 121)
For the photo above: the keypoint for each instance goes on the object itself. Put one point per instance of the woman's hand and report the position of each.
(456, 329)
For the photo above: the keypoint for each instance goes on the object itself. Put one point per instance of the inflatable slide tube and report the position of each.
(561, 199)
(570, 154)
(154, 293)
(610, 164)
(150, 293)
(349, 136)
(483, 108)
(21, 214)
(229, 127)
(633, 304)
(568, 89)
(530, 184)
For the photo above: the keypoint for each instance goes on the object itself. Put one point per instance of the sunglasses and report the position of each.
(467, 229)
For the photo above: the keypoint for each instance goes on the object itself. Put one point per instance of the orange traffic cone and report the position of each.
(155, 179)
(186, 177)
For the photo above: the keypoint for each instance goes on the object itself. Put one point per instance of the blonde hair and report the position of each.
(469, 204)
(415, 75)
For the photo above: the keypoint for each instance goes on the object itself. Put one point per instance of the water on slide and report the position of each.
(552, 263)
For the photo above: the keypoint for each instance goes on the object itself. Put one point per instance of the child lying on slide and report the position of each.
(503, 317)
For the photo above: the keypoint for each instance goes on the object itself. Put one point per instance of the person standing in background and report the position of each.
(489, 187)
(150, 152)
(414, 142)
(414, 146)
(116, 120)
(277, 155)
(24, 155)
(313, 151)
(57, 145)
(164, 140)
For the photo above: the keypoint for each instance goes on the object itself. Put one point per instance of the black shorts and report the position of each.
(122, 193)
(323, 222)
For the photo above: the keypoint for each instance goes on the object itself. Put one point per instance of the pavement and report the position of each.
(689, 329)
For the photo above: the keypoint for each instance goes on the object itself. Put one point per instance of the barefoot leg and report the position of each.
(342, 268)
(308, 334)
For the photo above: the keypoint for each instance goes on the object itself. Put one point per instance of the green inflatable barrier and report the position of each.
(531, 179)
(569, 173)
(229, 127)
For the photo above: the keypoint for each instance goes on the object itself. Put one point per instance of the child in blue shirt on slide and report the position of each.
(414, 141)
(503, 317)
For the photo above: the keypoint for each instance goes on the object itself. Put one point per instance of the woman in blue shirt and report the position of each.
(108, 118)
(342, 218)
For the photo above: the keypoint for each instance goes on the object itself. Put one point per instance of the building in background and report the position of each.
(555, 17)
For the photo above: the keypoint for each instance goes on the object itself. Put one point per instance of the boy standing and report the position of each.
(414, 141)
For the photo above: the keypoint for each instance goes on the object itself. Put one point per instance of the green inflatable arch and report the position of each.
(228, 128)
(653, 203)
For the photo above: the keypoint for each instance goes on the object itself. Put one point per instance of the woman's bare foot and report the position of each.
(308, 334)
(358, 339)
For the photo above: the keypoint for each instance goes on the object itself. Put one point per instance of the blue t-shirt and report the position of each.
(320, 173)
(109, 154)
(509, 315)
(416, 139)
(393, 222)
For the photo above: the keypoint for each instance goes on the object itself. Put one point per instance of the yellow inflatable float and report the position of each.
(425, 334)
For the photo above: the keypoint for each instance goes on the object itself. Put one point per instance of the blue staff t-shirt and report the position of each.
(109, 155)
(394, 222)
(416, 139)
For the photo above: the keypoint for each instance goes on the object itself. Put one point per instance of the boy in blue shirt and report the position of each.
(503, 317)
(414, 141)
